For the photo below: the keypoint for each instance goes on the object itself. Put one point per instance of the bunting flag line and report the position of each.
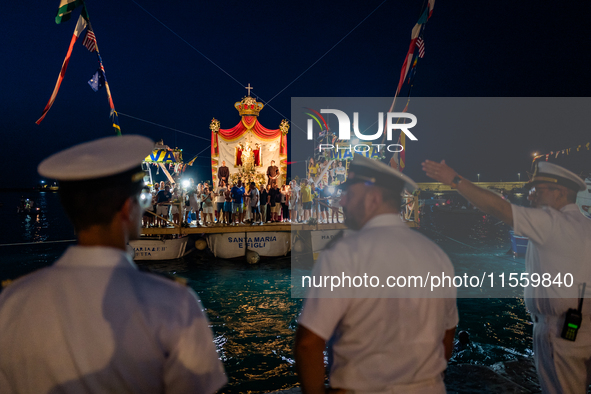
(97, 81)
(566, 151)
(80, 26)
(102, 68)
(90, 40)
(64, 11)
(416, 34)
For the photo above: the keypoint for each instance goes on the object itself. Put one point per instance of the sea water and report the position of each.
(252, 314)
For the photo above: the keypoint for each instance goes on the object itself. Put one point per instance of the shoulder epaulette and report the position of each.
(178, 279)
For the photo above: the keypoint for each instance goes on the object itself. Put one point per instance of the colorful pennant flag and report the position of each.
(90, 40)
(80, 26)
(116, 122)
(65, 10)
(420, 45)
(97, 81)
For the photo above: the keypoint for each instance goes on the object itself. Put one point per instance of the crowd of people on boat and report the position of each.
(203, 204)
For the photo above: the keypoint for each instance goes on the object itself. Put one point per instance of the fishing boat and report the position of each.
(27, 207)
(161, 247)
(169, 245)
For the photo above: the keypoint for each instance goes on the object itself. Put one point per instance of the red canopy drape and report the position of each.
(245, 123)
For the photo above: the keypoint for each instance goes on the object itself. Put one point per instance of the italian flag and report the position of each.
(65, 10)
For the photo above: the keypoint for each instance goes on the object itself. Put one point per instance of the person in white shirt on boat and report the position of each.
(219, 202)
(207, 199)
(293, 199)
(394, 339)
(559, 243)
(93, 322)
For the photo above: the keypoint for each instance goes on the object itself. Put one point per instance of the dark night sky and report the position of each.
(473, 49)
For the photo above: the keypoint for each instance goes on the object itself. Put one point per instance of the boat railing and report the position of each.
(168, 222)
(410, 208)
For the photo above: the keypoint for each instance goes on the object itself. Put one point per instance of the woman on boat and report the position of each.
(284, 200)
(312, 169)
(219, 199)
(292, 197)
(174, 209)
(228, 204)
(207, 206)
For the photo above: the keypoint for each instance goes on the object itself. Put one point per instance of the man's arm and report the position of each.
(485, 200)
(448, 342)
(309, 356)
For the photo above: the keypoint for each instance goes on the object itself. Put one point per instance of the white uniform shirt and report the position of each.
(382, 342)
(93, 322)
(559, 243)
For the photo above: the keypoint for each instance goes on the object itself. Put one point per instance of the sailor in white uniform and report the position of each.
(385, 338)
(92, 322)
(559, 249)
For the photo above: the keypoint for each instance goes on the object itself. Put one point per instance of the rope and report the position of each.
(38, 243)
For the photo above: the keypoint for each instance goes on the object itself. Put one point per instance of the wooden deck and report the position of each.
(245, 228)
(215, 229)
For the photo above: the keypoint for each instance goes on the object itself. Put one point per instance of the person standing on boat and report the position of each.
(228, 204)
(237, 208)
(154, 220)
(207, 199)
(293, 198)
(264, 203)
(254, 198)
(275, 202)
(164, 197)
(223, 173)
(219, 199)
(272, 174)
(559, 243)
(340, 173)
(93, 322)
(384, 339)
(306, 194)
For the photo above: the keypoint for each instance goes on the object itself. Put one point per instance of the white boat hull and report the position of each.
(320, 238)
(160, 249)
(233, 245)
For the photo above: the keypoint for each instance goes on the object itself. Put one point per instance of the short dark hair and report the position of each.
(87, 205)
(392, 196)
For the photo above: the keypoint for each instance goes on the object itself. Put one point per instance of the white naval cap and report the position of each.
(551, 173)
(363, 169)
(116, 158)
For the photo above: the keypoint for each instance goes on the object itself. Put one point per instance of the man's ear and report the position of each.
(126, 209)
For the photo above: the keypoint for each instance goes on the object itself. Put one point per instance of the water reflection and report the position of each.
(252, 314)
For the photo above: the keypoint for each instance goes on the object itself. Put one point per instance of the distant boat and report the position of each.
(518, 244)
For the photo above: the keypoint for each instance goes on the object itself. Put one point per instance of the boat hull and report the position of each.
(265, 244)
(160, 248)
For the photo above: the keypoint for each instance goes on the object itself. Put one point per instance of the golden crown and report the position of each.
(248, 106)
